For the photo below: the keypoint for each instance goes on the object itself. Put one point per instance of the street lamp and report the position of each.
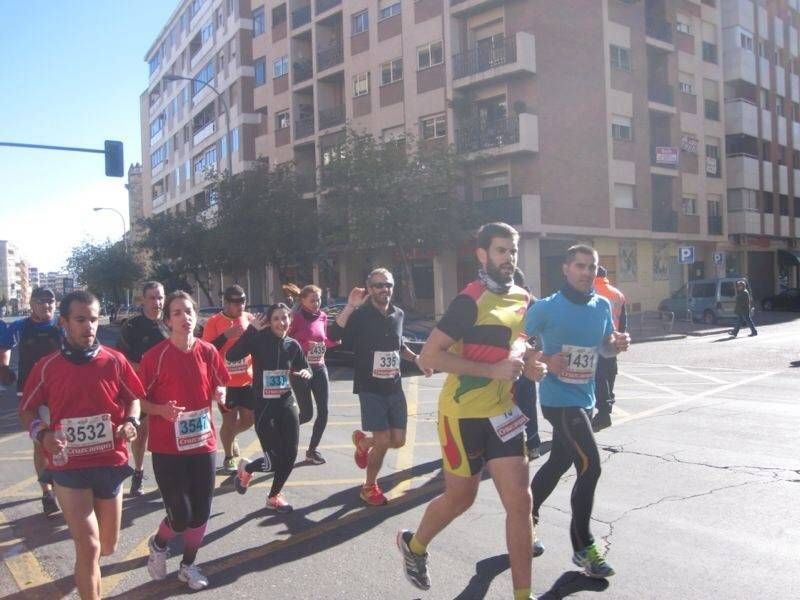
(224, 106)
(124, 242)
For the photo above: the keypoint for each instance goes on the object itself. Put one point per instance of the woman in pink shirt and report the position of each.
(310, 328)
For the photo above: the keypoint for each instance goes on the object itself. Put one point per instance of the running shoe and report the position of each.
(157, 561)
(136, 484)
(192, 575)
(314, 457)
(242, 479)
(538, 547)
(360, 455)
(601, 421)
(49, 504)
(534, 453)
(592, 563)
(235, 448)
(229, 465)
(372, 495)
(279, 504)
(414, 565)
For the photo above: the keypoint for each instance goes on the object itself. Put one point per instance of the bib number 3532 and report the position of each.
(386, 365)
(88, 435)
(193, 429)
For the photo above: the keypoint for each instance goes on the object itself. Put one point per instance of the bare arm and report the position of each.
(435, 355)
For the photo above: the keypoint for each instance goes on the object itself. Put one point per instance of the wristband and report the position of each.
(133, 421)
(36, 427)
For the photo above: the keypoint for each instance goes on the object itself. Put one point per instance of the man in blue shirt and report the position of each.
(34, 337)
(575, 326)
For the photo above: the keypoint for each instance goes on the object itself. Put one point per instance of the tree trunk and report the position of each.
(409, 278)
(203, 287)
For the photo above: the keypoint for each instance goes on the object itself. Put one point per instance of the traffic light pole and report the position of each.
(112, 152)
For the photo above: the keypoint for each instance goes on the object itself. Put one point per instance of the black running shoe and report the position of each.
(136, 484)
(49, 504)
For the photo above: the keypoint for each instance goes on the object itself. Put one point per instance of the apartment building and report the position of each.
(9, 272)
(762, 120)
(33, 276)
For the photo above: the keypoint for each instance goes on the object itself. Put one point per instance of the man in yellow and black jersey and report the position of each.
(478, 342)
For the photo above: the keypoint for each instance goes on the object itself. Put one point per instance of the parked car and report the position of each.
(786, 300)
(707, 300)
(126, 312)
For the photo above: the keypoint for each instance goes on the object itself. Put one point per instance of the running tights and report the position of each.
(277, 424)
(573, 443)
(318, 387)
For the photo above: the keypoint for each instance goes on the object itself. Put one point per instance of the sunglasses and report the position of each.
(381, 286)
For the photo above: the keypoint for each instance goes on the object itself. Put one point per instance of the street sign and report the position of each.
(686, 255)
(719, 258)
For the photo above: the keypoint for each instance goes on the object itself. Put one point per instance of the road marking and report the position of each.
(726, 369)
(14, 436)
(621, 412)
(109, 582)
(662, 388)
(26, 570)
(14, 490)
(700, 375)
(405, 455)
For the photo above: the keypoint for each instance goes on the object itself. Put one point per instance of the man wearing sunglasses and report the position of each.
(34, 337)
(372, 326)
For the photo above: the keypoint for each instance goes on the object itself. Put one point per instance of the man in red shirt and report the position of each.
(92, 395)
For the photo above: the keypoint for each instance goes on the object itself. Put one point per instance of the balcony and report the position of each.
(196, 58)
(202, 93)
(513, 56)
(661, 93)
(659, 30)
(460, 8)
(159, 201)
(203, 133)
(301, 16)
(743, 172)
(505, 210)
(744, 222)
(157, 137)
(714, 225)
(331, 117)
(330, 56)
(302, 70)
(665, 221)
(303, 128)
(323, 5)
(741, 117)
(501, 137)
(740, 64)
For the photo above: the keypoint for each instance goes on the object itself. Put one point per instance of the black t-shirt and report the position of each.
(138, 335)
(369, 331)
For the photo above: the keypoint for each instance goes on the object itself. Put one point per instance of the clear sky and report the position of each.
(74, 70)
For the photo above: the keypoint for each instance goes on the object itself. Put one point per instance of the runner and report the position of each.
(182, 376)
(91, 393)
(137, 335)
(525, 394)
(222, 330)
(310, 328)
(575, 325)
(479, 425)
(373, 326)
(606, 374)
(35, 336)
(276, 357)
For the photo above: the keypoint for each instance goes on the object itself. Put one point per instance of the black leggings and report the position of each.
(186, 483)
(304, 388)
(604, 379)
(277, 424)
(573, 443)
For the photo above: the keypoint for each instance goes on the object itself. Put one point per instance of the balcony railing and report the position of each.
(665, 221)
(303, 127)
(302, 69)
(330, 117)
(330, 56)
(202, 132)
(505, 210)
(714, 225)
(480, 135)
(323, 5)
(482, 58)
(301, 16)
(711, 109)
(662, 93)
(660, 30)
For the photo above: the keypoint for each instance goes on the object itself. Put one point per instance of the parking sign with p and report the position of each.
(686, 255)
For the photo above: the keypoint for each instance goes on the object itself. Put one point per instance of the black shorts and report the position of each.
(239, 397)
(105, 482)
(468, 443)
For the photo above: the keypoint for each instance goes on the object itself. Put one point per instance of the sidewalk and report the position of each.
(652, 326)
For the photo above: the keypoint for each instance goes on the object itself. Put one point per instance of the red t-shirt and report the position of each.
(89, 401)
(188, 378)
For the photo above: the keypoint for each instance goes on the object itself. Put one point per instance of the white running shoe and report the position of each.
(157, 561)
(192, 575)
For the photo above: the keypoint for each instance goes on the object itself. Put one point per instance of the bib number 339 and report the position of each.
(193, 429)
(386, 365)
(276, 383)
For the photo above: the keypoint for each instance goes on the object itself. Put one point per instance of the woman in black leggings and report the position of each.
(276, 357)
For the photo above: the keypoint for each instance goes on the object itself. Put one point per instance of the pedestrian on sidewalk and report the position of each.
(606, 373)
(744, 304)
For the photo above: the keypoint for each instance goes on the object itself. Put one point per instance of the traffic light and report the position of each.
(115, 163)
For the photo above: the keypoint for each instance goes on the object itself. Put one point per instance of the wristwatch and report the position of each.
(133, 421)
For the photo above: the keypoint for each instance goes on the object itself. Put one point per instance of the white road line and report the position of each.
(664, 389)
(702, 376)
(726, 369)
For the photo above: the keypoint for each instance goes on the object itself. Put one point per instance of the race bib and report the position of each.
(193, 429)
(510, 424)
(316, 353)
(581, 363)
(88, 435)
(386, 365)
(236, 366)
(276, 383)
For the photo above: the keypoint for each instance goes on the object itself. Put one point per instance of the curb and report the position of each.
(660, 338)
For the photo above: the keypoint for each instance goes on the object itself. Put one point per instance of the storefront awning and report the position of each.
(789, 258)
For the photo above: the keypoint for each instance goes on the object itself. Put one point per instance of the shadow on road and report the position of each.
(485, 572)
(727, 338)
(572, 582)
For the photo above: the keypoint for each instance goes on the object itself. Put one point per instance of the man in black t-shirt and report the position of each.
(137, 336)
(373, 327)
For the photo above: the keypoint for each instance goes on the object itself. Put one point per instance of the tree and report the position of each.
(378, 194)
(106, 269)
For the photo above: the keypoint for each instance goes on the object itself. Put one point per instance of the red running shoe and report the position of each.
(360, 455)
(372, 495)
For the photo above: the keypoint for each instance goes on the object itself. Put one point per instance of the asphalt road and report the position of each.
(698, 499)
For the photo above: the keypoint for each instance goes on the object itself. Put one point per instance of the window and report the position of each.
(158, 124)
(159, 156)
(711, 99)
(206, 159)
(624, 196)
(766, 150)
(686, 83)
(429, 55)
(764, 95)
(689, 204)
(195, 8)
(796, 111)
(386, 12)
(494, 187)
(762, 49)
(278, 15)
(779, 105)
(742, 200)
(154, 63)
(280, 67)
(746, 40)
(714, 205)
(709, 42)
(392, 71)
(235, 140)
(620, 58)
(683, 24)
(434, 127)
(621, 128)
(260, 66)
(259, 22)
(282, 119)
(360, 22)
(206, 75)
(713, 166)
(361, 84)
(206, 33)
(710, 52)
